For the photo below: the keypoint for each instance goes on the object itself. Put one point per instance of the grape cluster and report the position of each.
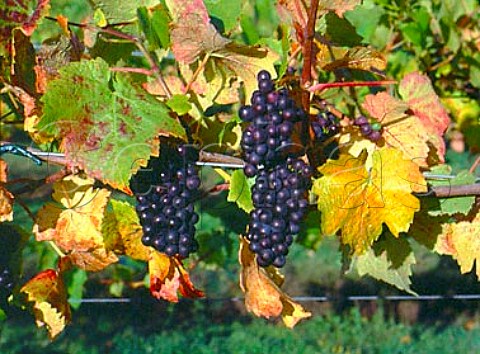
(324, 126)
(6, 281)
(279, 199)
(166, 210)
(272, 115)
(371, 131)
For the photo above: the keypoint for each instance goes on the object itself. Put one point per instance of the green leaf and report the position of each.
(121, 11)
(390, 260)
(107, 124)
(179, 104)
(340, 31)
(227, 11)
(357, 17)
(76, 282)
(450, 206)
(160, 20)
(240, 191)
(145, 24)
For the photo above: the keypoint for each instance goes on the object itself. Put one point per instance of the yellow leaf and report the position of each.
(50, 306)
(357, 200)
(263, 296)
(74, 223)
(359, 58)
(462, 242)
(123, 233)
(6, 198)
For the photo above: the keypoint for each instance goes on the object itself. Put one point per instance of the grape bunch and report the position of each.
(166, 210)
(324, 126)
(279, 198)
(6, 281)
(371, 131)
(272, 115)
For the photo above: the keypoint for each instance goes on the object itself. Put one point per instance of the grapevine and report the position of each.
(309, 118)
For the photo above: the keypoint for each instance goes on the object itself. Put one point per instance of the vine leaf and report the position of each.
(123, 233)
(20, 14)
(168, 277)
(358, 201)
(74, 223)
(358, 58)
(116, 12)
(389, 260)
(402, 131)
(451, 206)
(50, 306)
(6, 198)
(108, 125)
(192, 34)
(240, 191)
(263, 295)
(298, 10)
(462, 242)
(417, 91)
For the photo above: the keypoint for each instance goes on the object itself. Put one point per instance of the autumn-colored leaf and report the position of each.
(74, 223)
(192, 34)
(359, 58)
(417, 91)
(108, 126)
(6, 198)
(298, 10)
(123, 233)
(263, 295)
(400, 130)
(168, 277)
(20, 14)
(50, 306)
(358, 201)
(462, 241)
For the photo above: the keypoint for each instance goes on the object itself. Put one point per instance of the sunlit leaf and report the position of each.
(6, 198)
(123, 233)
(107, 124)
(168, 277)
(50, 306)
(263, 295)
(359, 58)
(240, 191)
(462, 242)
(400, 130)
(358, 201)
(389, 260)
(74, 223)
(123, 11)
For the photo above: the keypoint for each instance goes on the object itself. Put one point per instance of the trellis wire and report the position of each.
(457, 297)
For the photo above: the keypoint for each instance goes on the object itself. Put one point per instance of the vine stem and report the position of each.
(57, 250)
(324, 86)
(308, 53)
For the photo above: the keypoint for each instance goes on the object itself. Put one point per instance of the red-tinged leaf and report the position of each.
(6, 198)
(168, 277)
(108, 125)
(192, 34)
(297, 10)
(417, 91)
(50, 306)
(400, 130)
(23, 14)
(263, 295)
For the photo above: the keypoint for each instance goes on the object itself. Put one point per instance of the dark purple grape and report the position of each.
(365, 129)
(245, 113)
(360, 120)
(265, 86)
(263, 75)
(374, 136)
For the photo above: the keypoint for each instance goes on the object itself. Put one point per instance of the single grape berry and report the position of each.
(6, 281)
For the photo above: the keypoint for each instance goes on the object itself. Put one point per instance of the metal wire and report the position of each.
(456, 297)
